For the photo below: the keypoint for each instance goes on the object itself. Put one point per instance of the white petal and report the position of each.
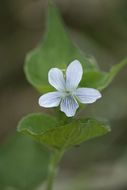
(51, 99)
(56, 78)
(73, 74)
(69, 105)
(87, 95)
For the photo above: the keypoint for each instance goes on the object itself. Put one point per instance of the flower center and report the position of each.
(67, 92)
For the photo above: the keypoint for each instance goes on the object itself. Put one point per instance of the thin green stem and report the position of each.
(55, 159)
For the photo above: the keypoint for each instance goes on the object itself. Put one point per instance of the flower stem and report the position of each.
(55, 159)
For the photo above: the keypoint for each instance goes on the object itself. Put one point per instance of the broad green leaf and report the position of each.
(23, 163)
(74, 133)
(93, 79)
(68, 135)
(39, 122)
(101, 80)
(56, 50)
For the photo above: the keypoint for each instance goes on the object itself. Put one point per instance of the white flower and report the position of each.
(67, 90)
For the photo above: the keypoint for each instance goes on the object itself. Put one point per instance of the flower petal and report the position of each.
(87, 95)
(56, 78)
(69, 105)
(73, 74)
(51, 99)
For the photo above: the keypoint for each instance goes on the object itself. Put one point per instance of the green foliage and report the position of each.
(100, 80)
(23, 163)
(64, 136)
(39, 122)
(56, 50)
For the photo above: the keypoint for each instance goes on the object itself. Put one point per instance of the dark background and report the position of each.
(99, 28)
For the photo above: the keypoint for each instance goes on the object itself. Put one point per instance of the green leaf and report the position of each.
(23, 163)
(101, 80)
(56, 50)
(39, 122)
(63, 137)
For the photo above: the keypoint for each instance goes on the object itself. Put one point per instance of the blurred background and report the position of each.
(98, 28)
